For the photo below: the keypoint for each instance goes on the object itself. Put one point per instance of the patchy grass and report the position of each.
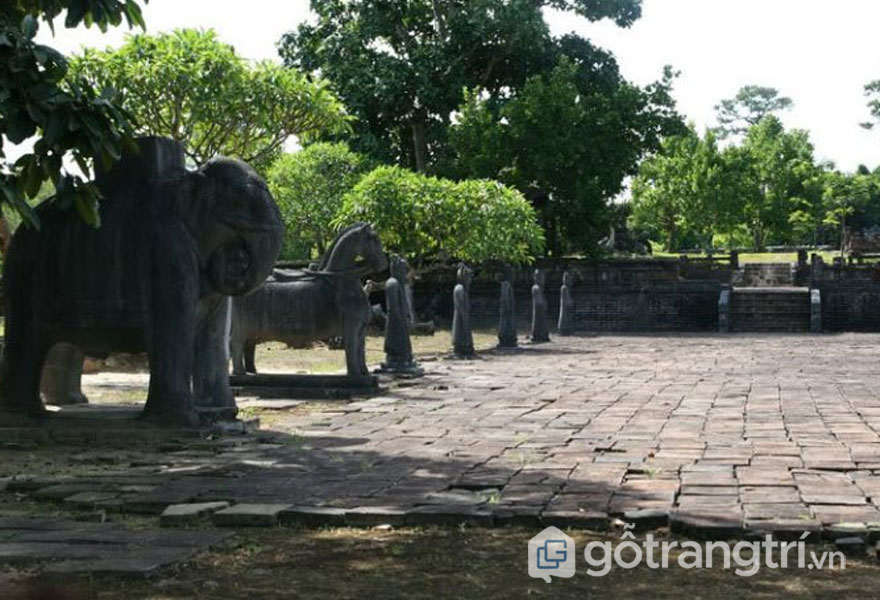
(430, 564)
(756, 257)
(275, 357)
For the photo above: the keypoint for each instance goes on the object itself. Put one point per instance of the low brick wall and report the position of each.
(850, 296)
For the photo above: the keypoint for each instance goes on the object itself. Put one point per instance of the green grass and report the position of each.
(755, 257)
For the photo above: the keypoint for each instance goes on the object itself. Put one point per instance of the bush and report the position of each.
(430, 219)
(309, 186)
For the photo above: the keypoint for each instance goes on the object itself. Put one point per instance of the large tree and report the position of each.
(682, 193)
(568, 139)
(768, 189)
(63, 116)
(190, 86)
(750, 105)
(783, 178)
(401, 67)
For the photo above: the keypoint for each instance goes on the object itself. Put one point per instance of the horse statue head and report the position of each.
(357, 248)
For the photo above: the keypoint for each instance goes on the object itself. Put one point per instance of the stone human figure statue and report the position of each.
(398, 348)
(462, 336)
(565, 325)
(507, 316)
(540, 331)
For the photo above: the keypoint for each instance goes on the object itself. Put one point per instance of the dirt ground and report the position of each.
(424, 563)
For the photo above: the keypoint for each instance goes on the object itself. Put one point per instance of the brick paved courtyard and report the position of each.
(709, 434)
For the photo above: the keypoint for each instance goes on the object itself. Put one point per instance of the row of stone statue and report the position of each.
(182, 268)
(462, 334)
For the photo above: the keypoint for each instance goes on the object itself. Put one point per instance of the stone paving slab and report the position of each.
(711, 435)
(64, 546)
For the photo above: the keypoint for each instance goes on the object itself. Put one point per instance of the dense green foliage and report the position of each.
(190, 86)
(65, 115)
(309, 186)
(431, 219)
(481, 89)
(569, 141)
(400, 67)
(767, 190)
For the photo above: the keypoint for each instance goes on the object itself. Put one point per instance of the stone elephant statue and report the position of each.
(154, 278)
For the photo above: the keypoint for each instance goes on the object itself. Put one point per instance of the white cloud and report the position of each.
(818, 53)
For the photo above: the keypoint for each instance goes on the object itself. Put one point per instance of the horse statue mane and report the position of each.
(342, 250)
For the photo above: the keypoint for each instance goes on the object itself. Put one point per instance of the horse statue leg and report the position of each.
(250, 349)
(354, 333)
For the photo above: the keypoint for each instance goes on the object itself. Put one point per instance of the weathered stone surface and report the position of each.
(507, 310)
(647, 518)
(706, 427)
(249, 515)
(313, 516)
(182, 514)
(706, 524)
(91, 499)
(371, 516)
(77, 547)
(449, 515)
(462, 335)
(540, 330)
(852, 546)
(589, 520)
(565, 323)
(398, 347)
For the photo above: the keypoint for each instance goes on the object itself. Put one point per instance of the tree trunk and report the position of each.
(670, 239)
(5, 236)
(420, 145)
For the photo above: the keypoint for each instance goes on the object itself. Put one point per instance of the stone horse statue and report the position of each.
(324, 301)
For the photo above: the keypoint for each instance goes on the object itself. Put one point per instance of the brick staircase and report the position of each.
(765, 299)
(753, 275)
(770, 309)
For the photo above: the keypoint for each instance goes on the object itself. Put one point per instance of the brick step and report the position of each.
(770, 309)
(763, 275)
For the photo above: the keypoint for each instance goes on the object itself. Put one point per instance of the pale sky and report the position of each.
(819, 53)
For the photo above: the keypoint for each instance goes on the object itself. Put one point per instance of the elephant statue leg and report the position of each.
(171, 349)
(250, 350)
(22, 367)
(211, 357)
(61, 381)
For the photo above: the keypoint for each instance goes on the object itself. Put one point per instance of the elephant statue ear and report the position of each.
(193, 196)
